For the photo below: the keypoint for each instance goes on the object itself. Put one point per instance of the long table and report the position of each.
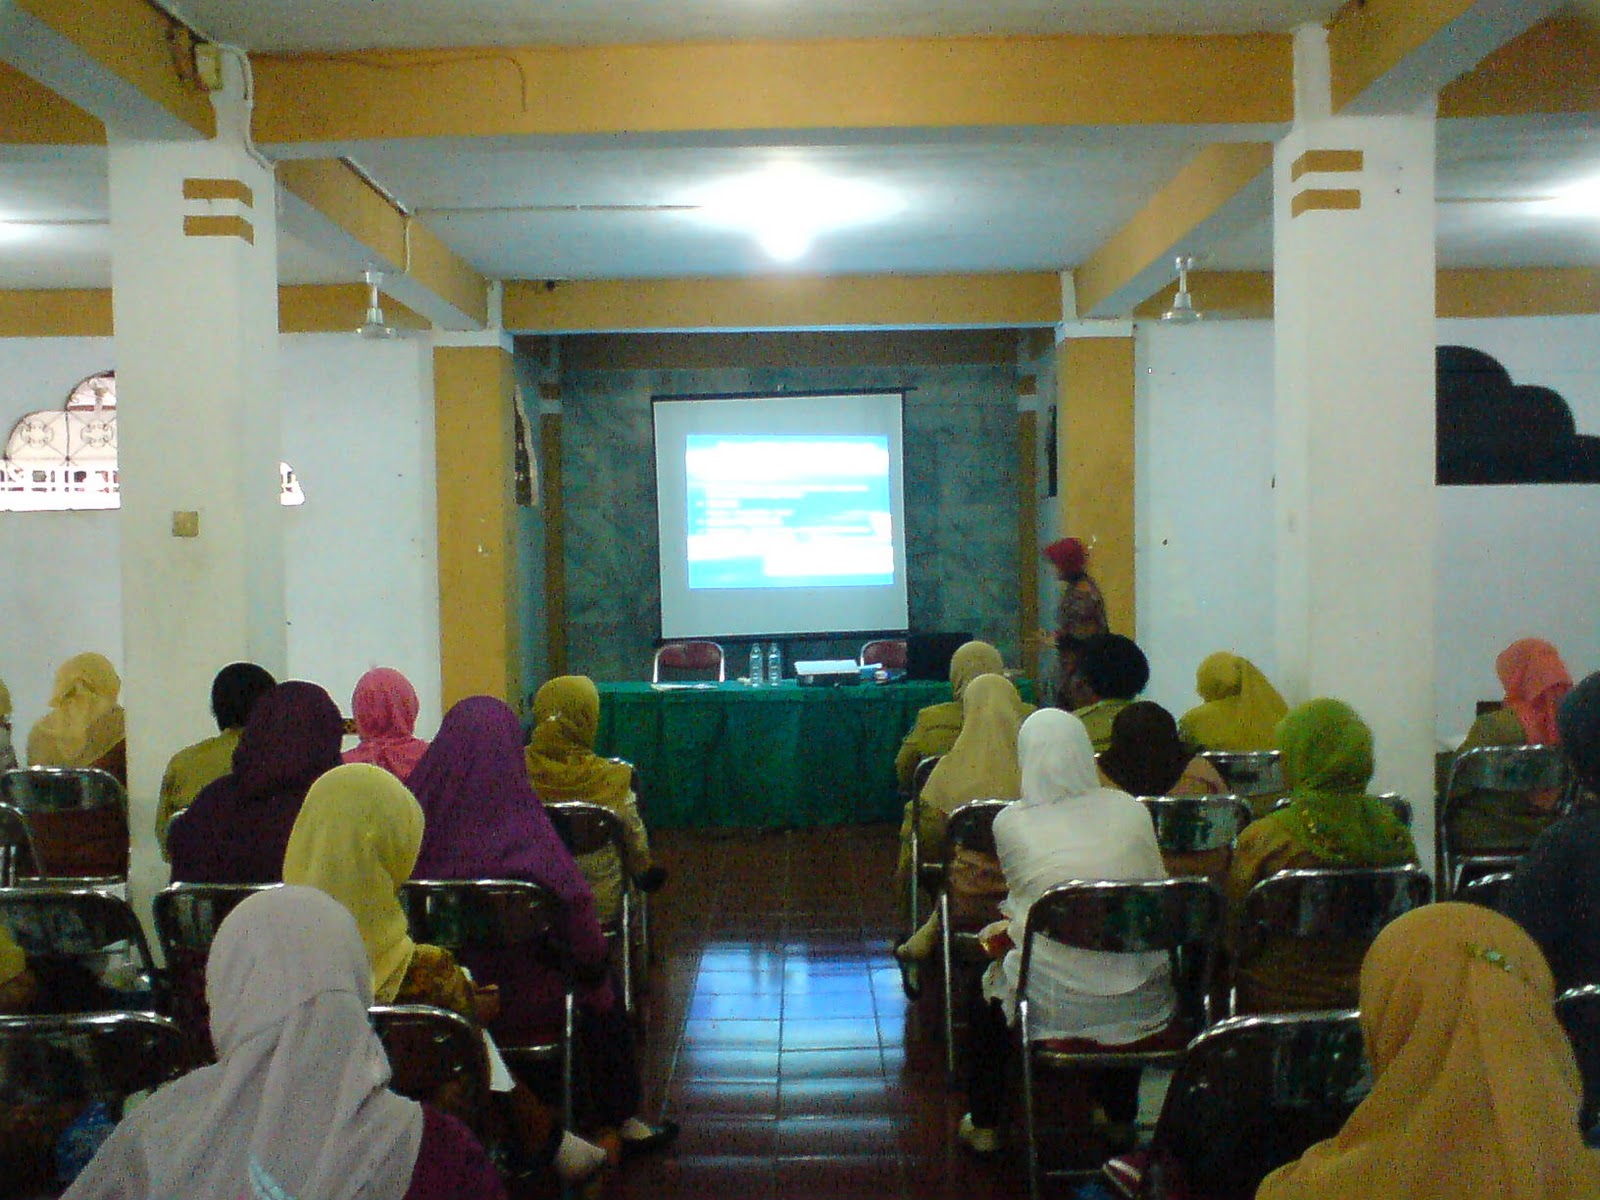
(734, 755)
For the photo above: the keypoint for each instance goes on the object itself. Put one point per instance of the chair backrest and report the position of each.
(919, 774)
(16, 847)
(1196, 824)
(1254, 1093)
(971, 827)
(433, 1051)
(87, 946)
(1519, 769)
(1487, 890)
(1248, 772)
(485, 914)
(585, 828)
(885, 652)
(85, 1056)
(699, 657)
(1183, 917)
(61, 789)
(1396, 803)
(187, 915)
(1346, 903)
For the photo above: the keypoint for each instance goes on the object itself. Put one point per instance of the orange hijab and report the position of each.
(1536, 681)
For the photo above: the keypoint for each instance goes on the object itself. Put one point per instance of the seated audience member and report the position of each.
(1241, 708)
(234, 693)
(18, 986)
(1112, 670)
(1474, 1089)
(8, 752)
(1330, 821)
(981, 765)
(1147, 758)
(85, 726)
(1535, 681)
(385, 707)
(936, 726)
(562, 765)
(356, 839)
(238, 826)
(1555, 894)
(1066, 826)
(483, 821)
(297, 1105)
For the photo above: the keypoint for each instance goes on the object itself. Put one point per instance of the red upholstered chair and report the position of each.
(694, 660)
(887, 653)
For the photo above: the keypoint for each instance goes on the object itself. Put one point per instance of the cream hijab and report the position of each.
(85, 720)
(297, 1104)
(971, 660)
(356, 839)
(1476, 1091)
(982, 764)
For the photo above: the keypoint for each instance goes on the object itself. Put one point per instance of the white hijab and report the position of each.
(297, 1107)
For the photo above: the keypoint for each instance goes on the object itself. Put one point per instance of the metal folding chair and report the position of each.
(436, 1053)
(1487, 890)
(1341, 909)
(16, 848)
(1507, 776)
(971, 828)
(696, 659)
(54, 1067)
(500, 914)
(1196, 833)
(187, 917)
(924, 874)
(1397, 804)
(1255, 776)
(1179, 917)
(77, 818)
(587, 828)
(88, 948)
(1254, 1093)
(884, 652)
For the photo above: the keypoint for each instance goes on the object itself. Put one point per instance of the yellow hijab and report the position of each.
(982, 764)
(13, 961)
(971, 660)
(85, 720)
(1476, 1092)
(1241, 710)
(356, 839)
(562, 764)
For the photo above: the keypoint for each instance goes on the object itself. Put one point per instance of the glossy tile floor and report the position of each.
(778, 1034)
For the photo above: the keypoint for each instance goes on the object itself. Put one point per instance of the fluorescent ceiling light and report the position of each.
(787, 206)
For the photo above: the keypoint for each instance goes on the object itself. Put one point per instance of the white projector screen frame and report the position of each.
(774, 610)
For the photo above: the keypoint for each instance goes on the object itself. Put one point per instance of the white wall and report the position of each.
(361, 553)
(1512, 561)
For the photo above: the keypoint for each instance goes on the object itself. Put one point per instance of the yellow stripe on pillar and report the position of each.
(473, 391)
(1096, 461)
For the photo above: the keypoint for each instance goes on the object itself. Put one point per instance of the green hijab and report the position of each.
(1327, 763)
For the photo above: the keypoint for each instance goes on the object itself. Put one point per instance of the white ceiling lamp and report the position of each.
(1183, 311)
(788, 206)
(375, 328)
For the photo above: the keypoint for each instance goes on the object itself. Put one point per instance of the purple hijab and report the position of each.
(485, 822)
(238, 826)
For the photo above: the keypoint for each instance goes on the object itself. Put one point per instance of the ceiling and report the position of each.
(636, 206)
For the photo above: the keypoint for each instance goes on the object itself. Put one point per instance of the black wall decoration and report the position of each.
(1491, 430)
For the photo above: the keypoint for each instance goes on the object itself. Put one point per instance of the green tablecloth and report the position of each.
(733, 755)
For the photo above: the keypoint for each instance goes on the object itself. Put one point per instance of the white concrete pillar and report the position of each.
(194, 297)
(1353, 259)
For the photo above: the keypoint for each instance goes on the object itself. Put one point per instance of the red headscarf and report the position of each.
(1069, 557)
(1536, 681)
(386, 708)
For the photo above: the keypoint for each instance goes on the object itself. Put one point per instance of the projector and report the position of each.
(828, 672)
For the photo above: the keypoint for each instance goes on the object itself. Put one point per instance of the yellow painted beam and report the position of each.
(1239, 295)
(1096, 464)
(32, 115)
(884, 83)
(783, 302)
(1554, 68)
(473, 391)
(352, 218)
(336, 308)
(1138, 258)
(135, 43)
(55, 312)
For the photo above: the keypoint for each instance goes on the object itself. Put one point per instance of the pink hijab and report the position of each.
(385, 707)
(1536, 681)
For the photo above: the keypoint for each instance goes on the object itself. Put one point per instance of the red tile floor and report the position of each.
(778, 1035)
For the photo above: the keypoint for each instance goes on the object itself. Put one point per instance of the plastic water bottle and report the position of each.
(755, 664)
(774, 664)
